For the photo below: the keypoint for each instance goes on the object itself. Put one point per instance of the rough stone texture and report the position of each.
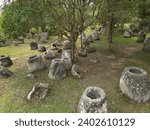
(48, 55)
(40, 90)
(147, 44)
(5, 61)
(111, 57)
(103, 30)
(30, 77)
(58, 43)
(127, 34)
(54, 46)
(5, 73)
(67, 45)
(66, 54)
(18, 41)
(135, 84)
(57, 70)
(43, 37)
(141, 37)
(33, 46)
(89, 38)
(82, 53)
(86, 40)
(3, 43)
(90, 49)
(76, 71)
(95, 35)
(35, 63)
(134, 32)
(93, 100)
(67, 62)
(41, 48)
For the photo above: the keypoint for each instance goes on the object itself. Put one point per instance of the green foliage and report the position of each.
(14, 21)
(1, 30)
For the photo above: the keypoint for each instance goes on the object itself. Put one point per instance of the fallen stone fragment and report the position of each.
(41, 89)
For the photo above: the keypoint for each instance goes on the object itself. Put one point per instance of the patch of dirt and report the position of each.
(128, 51)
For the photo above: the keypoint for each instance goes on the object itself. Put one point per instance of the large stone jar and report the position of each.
(57, 70)
(35, 63)
(135, 84)
(93, 100)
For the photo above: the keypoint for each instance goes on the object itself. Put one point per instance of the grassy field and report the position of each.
(65, 94)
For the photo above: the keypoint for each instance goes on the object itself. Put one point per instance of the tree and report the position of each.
(22, 15)
(111, 11)
(72, 17)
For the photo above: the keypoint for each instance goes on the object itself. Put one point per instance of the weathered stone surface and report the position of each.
(89, 38)
(90, 49)
(103, 30)
(66, 54)
(111, 57)
(67, 45)
(30, 77)
(127, 34)
(86, 41)
(141, 37)
(5, 61)
(135, 84)
(35, 63)
(134, 32)
(41, 48)
(147, 44)
(82, 53)
(93, 100)
(58, 43)
(54, 46)
(94, 61)
(48, 55)
(18, 41)
(57, 70)
(5, 73)
(39, 90)
(95, 35)
(76, 71)
(67, 62)
(33, 45)
(3, 43)
(43, 37)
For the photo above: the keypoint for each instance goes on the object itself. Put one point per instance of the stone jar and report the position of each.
(33, 46)
(5, 61)
(93, 100)
(134, 83)
(147, 44)
(41, 48)
(141, 37)
(35, 63)
(57, 70)
(127, 34)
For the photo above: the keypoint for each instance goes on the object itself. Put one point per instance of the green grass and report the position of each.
(65, 94)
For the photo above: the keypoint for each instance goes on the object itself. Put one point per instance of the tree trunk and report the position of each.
(110, 31)
(74, 47)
